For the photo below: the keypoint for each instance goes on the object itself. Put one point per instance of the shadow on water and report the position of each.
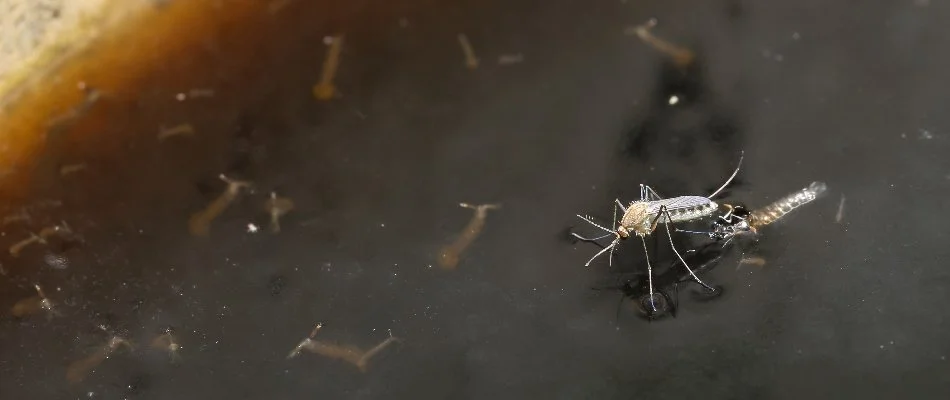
(686, 138)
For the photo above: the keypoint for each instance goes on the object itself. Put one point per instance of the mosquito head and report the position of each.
(622, 232)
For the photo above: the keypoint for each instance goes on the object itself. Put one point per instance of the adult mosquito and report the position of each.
(641, 218)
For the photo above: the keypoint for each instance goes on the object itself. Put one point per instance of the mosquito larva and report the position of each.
(166, 341)
(840, 215)
(71, 168)
(41, 237)
(16, 217)
(276, 207)
(681, 57)
(508, 59)
(178, 130)
(34, 304)
(78, 370)
(350, 354)
(471, 61)
(449, 256)
(325, 89)
(200, 223)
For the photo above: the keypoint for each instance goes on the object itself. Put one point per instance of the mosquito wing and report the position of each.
(683, 208)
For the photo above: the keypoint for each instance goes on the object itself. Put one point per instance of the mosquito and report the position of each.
(641, 218)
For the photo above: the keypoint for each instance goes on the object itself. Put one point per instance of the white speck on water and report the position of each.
(925, 134)
(796, 36)
(674, 100)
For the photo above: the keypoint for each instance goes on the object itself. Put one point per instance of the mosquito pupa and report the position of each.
(739, 221)
(449, 256)
(780, 208)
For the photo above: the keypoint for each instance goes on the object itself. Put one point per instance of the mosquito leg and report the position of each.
(705, 233)
(593, 240)
(622, 208)
(646, 255)
(673, 246)
(610, 260)
(604, 250)
(651, 194)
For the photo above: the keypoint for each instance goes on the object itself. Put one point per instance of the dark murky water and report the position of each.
(809, 91)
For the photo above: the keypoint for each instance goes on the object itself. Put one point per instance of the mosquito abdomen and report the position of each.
(683, 208)
(773, 212)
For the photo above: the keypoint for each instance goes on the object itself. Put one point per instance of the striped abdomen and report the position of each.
(773, 212)
(683, 208)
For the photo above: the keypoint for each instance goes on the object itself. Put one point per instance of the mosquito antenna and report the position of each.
(612, 244)
(728, 181)
(594, 223)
